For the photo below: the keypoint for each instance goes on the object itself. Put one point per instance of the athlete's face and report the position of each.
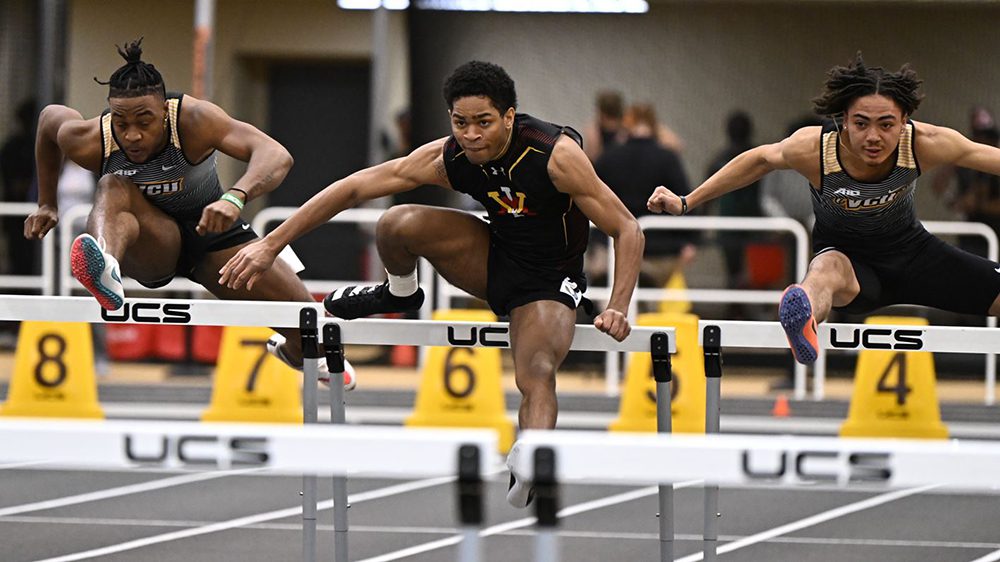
(480, 129)
(872, 126)
(140, 125)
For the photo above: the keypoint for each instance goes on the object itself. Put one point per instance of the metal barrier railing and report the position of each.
(45, 281)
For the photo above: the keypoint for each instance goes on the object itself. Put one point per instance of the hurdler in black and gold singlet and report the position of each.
(895, 259)
(533, 226)
(178, 187)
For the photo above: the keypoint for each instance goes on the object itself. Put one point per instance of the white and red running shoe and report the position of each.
(97, 271)
(275, 346)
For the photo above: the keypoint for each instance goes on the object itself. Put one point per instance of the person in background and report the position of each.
(631, 169)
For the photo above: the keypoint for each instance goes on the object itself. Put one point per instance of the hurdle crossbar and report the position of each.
(943, 339)
(384, 452)
(636, 459)
(207, 312)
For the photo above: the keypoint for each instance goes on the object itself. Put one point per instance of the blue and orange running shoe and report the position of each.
(795, 315)
(97, 271)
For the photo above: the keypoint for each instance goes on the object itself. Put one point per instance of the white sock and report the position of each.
(403, 285)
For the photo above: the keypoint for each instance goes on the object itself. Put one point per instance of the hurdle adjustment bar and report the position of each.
(334, 348)
(470, 503)
(659, 349)
(310, 373)
(546, 504)
(712, 345)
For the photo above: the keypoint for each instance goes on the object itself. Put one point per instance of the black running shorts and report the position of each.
(511, 283)
(194, 246)
(924, 270)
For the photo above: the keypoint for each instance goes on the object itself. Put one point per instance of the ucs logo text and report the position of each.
(488, 336)
(824, 466)
(196, 450)
(878, 338)
(152, 312)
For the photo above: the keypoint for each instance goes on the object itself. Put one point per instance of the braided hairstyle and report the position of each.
(135, 78)
(477, 78)
(844, 84)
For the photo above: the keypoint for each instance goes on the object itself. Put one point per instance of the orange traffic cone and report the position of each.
(781, 408)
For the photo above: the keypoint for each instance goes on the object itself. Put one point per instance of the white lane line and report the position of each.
(409, 530)
(991, 557)
(118, 492)
(248, 520)
(810, 521)
(12, 465)
(525, 522)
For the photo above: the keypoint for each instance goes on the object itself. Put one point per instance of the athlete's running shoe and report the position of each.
(795, 315)
(357, 301)
(520, 492)
(275, 346)
(97, 271)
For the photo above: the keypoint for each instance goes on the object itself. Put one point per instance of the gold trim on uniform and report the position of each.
(172, 109)
(109, 140)
(906, 159)
(830, 163)
(510, 172)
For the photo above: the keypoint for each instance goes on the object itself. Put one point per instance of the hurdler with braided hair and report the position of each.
(159, 208)
(870, 249)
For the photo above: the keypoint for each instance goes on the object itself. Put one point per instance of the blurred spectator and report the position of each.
(632, 169)
(975, 196)
(608, 129)
(17, 167)
(740, 203)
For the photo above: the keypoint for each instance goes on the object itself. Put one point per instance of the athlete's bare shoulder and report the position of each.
(425, 165)
(936, 145)
(800, 151)
(79, 139)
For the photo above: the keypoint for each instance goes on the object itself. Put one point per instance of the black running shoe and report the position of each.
(357, 301)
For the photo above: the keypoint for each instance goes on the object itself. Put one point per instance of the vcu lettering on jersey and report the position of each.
(154, 189)
(871, 203)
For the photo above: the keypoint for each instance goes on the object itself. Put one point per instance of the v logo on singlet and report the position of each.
(511, 203)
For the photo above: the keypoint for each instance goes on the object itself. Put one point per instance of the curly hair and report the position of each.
(135, 78)
(844, 84)
(477, 78)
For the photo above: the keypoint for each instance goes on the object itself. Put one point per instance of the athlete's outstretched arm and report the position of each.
(940, 145)
(62, 133)
(741, 171)
(206, 127)
(425, 165)
(572, 173)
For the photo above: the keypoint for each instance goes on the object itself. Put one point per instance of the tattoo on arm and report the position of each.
(440, 171)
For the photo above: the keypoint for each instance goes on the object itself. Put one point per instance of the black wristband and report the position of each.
(246, 197)
(684, 205)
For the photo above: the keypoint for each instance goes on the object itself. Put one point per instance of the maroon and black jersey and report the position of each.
(537, 225)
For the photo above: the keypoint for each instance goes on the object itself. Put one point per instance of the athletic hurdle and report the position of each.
(660, 342)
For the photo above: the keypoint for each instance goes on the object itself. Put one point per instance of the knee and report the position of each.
(112, 182)
(537, 375)
(399, 221)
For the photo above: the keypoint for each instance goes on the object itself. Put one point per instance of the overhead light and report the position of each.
(563, 6)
